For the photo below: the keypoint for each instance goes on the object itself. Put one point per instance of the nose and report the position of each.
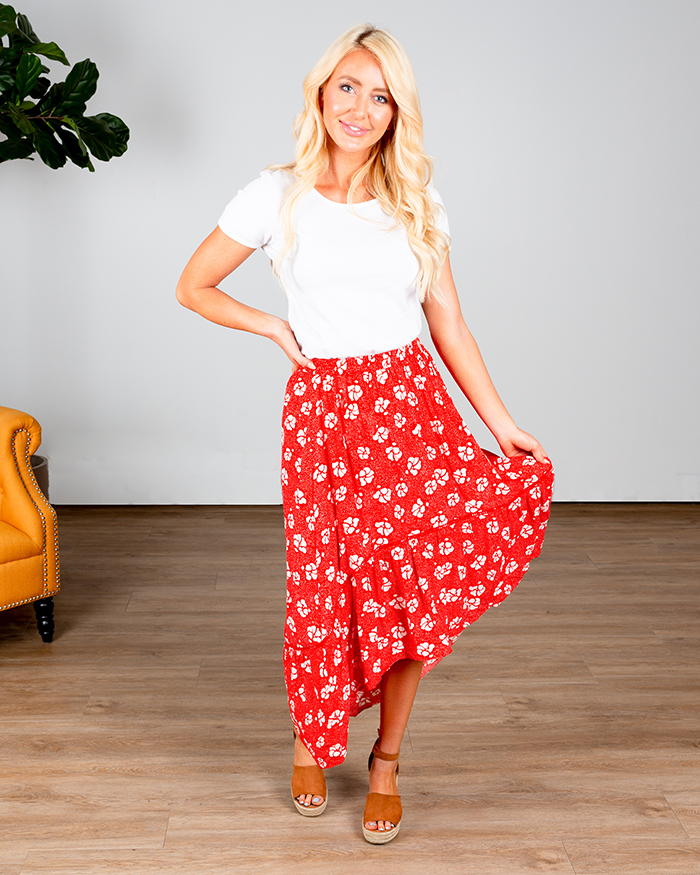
(359, 107)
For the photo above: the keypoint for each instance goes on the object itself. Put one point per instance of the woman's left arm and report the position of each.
(459, 352)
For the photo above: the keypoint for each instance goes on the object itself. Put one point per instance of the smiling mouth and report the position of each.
(353, 130)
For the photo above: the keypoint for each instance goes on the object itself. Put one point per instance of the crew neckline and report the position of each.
(345, 203)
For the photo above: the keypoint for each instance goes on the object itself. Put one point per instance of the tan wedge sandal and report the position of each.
(309, 780)
(382, 806)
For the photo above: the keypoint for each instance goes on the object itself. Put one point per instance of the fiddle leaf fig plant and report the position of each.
(49, 119)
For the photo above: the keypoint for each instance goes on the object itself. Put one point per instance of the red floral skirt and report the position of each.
(400, 531)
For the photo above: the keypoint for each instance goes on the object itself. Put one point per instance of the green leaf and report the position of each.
(28, 71)
(8, 127)
(12, 149)
(7, 82)
(20, 120)
(50, 150)
(75, 149)
(118, 128)
(80, 85)
(50, 100)
(40, 89)
(25, 29)
(98, 137)
(50, 51)
(8, 17)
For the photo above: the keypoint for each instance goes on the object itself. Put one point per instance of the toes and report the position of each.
(317, 800)
(371, 825)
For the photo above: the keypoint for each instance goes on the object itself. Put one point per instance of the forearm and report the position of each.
(460, 353)
(216, 306)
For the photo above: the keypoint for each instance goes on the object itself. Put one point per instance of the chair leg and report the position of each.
(43, 608)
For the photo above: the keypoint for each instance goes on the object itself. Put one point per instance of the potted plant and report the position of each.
(37, 116)
(49, 119)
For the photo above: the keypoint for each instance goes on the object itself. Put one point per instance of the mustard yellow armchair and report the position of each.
(29, 570)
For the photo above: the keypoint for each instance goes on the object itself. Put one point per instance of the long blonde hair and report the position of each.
(397, 171)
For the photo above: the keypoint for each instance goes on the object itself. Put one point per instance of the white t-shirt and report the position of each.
(350, 276)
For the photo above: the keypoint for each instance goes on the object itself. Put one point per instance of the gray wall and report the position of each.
(567, 138)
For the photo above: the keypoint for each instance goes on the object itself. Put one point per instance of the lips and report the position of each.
(353, 130)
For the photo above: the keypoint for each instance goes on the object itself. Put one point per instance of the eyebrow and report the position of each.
(357, 82)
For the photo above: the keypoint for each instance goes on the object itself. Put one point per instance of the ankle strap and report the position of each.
(380, 755)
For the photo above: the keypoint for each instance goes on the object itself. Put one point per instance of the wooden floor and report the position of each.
(561, 736)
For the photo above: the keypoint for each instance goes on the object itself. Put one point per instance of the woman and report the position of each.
(400, 530)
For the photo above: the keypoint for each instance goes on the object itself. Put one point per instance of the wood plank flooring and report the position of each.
(151, 736)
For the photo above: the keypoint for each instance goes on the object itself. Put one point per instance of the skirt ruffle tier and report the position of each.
(401, 531)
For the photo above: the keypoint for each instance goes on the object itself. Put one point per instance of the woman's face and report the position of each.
(357, 106)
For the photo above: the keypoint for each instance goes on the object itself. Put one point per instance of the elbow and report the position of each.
(183, 295)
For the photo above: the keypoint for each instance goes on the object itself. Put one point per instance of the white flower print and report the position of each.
(526, 531)
(399, 511)
(352, 411)
(366, 476)
(438, 398)
(478, 562)
(412, 400)
(439, 520)
(399, 420)
(284, 476)
(300, 388)
(466, 454)
(400, 392)
(443, 570)
(339, 468)
(440, 476)
(397, 554)
(492, 527)
(299, 497)
(355, 392)
(355, 562)
(311, 571)
(302, 608)
(327, 383)
(316, 381)
(289, 422)
(427, 623)
(288, 452)
(418, 508)
(437, 426)
(425, 649)
(453, 499)
(428, 551)
(301, 437)
(430, 487)
(320, 472)
(335, 719)
(401, 489)
(446, 547)
(383, 495)
(384, 527)
(505, 533)
(380, 405)
(382, 376)
(511, 566)
(350, 525)
(306, 408)
(394, 453)
(331, 420)
(413, 465)
(430, 452)
(316, 633)
(412, 606)
(363, 452)
(447, 596)
(407, 572)
(336, 750)
(381, 434)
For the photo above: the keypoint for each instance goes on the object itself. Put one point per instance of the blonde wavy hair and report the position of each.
(397, 171)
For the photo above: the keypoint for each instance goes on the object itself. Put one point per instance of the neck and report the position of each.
(341, 169)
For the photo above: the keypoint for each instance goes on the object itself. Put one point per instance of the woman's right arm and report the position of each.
(197, 290)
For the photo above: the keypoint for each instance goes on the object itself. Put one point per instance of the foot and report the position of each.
(303, 758)
(382, 779)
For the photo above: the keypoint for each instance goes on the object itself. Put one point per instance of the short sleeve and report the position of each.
(441, 212)
(250, 218)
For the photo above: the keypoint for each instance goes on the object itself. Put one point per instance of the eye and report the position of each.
(382, 99)
(344, 86)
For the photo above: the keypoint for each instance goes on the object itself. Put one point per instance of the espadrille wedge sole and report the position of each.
(309, 781)
(382, 806)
